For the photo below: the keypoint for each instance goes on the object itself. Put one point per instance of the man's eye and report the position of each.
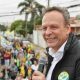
(53, 27)
(44, 28)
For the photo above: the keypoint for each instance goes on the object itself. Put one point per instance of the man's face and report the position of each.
(54, 30)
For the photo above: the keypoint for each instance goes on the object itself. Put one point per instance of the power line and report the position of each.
(9, 15)
(71, 6)
(66, 2)
(9, 12)
(73, 3)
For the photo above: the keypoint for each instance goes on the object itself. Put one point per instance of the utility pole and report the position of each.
(48, 3)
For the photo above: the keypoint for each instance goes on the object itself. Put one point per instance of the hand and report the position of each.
(38, 76)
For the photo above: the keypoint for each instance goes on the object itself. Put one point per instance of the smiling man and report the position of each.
(63, 47)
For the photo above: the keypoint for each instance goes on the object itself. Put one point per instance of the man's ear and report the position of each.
(68, 29)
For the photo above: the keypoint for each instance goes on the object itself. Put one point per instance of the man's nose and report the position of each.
(48, 31)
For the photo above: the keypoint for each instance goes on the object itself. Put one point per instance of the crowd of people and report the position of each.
(18, 62)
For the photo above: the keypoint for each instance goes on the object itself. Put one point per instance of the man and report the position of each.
(64, 47)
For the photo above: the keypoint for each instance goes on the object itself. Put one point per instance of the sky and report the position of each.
(8, 7)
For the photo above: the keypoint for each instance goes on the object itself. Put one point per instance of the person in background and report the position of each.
(2, 72)
(33, 59)
(7, 57)
(2, 56)
(13, 70)
(19, 77)
(23, 70)
(63, 47)
(35, 65)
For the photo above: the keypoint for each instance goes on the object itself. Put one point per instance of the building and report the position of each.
(75, 26)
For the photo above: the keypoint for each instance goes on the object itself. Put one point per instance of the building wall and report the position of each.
(38, 39)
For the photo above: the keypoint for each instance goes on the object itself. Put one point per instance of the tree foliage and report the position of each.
(3, 28)
(38, 20)
(19, 27)
(30, 27)
(31, 7)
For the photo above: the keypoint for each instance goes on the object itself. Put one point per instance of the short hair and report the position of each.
(62, 10)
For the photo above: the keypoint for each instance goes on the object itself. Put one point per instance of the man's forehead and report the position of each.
(51, 15)
(53, 18)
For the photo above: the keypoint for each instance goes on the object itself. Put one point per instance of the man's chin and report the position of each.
(50, 45)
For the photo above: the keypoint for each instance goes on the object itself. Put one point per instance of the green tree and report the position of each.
(30, 27)
(18, 27)
(38, 20)
(3, 28)
(31, 7)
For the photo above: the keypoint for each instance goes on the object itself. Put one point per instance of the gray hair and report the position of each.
(62, 10)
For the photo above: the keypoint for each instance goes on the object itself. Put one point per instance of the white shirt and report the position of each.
(57, 57)
(34, 67)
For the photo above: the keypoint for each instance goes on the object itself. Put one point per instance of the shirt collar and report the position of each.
(59, 54)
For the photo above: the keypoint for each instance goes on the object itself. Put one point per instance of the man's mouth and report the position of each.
(51, 39)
